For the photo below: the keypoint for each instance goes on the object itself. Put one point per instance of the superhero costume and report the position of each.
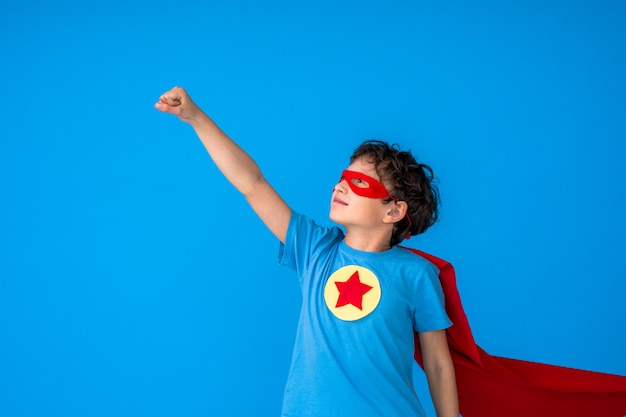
(354, 342)
(491, 386)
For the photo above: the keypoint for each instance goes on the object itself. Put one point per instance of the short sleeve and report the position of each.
(304, 242)
(430, 312)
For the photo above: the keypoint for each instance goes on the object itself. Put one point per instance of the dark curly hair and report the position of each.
(408, 181)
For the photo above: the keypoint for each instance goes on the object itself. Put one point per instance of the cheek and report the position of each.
(370, 206)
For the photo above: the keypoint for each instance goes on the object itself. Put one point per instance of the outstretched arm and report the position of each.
(439, 370)
(236, 165)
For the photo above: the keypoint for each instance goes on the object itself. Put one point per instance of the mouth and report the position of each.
(339, 201)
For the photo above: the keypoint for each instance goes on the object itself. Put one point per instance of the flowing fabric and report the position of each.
(491, 386)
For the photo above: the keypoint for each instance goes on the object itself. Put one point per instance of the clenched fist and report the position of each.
(177, 102)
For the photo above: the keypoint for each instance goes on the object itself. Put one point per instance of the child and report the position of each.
(363, 296)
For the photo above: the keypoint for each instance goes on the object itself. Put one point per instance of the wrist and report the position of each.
(196, 118)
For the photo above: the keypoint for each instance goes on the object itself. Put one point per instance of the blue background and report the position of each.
(134, 281)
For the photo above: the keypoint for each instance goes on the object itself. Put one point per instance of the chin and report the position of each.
(333, 216)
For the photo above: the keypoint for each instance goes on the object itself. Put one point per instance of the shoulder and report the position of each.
(411, 259)
(419, 272)
(304, 231)
(307, 243)
(302, 223)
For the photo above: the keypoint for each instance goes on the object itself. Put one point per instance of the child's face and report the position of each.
(357, 200)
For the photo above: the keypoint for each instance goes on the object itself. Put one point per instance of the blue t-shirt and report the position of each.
(353, 354)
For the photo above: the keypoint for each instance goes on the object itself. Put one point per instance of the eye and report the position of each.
(360, 183)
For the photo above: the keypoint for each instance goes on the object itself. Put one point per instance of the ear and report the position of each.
(396, 212)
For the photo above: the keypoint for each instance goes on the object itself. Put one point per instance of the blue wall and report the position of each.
(134, 281)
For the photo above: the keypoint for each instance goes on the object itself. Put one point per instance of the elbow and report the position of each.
(252, 184)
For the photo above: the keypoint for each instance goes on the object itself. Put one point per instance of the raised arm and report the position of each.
(236, 165)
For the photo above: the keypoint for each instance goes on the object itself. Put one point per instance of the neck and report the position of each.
(367, 241)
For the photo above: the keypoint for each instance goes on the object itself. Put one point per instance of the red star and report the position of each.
(352, 291)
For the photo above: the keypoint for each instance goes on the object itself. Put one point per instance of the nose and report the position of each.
(341, 185)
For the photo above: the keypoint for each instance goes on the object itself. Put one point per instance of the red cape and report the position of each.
(491, 386)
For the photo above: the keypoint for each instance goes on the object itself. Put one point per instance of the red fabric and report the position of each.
(370, 188)
(491, 386)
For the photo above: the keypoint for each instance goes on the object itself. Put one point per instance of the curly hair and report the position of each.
(408, 181)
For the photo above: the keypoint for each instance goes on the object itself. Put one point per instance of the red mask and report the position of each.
(364, 185)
